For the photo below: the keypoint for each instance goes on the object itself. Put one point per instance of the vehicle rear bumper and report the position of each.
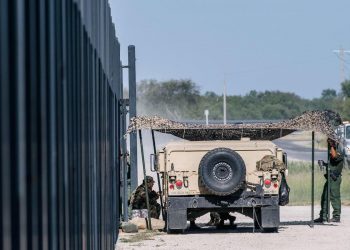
(219, 202)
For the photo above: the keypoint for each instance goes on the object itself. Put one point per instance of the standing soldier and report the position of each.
(335, 168)
(138, 198)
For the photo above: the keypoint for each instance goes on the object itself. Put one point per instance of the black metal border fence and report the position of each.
(60, 77)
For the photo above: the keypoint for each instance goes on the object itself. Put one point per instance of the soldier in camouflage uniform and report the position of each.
(138, 198)
(335, 168)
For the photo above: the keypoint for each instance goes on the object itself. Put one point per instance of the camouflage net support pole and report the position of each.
(313, 179)
(149, 223)
(328, 186)
(158, 179)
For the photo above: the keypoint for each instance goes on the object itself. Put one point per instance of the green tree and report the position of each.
(345, 109)
(345, 88)
(181, 100)
(175, 99)
(328, 94)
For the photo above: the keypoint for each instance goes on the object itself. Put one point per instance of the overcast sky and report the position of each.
(253, 44)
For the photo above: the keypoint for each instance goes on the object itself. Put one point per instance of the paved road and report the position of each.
(298, 151)
(294, 233)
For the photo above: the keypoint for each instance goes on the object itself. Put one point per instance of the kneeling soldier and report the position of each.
(138, 198)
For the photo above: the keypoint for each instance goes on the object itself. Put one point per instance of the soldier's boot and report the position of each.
(220, 224)
(319, 220)
(232, 220)
(214, 219)
(193, 225)
(212, 222)
(217, 221)
(335, 219)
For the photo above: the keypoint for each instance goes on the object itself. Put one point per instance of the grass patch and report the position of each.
(299, 181)
(141, 236)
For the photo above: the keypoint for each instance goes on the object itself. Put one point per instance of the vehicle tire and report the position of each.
(176, 221)
(270, 230)
(175, 231)
(258, 223)
(222, 171)
(257, 218)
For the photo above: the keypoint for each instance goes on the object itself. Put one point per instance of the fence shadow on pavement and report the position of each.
(248, 227)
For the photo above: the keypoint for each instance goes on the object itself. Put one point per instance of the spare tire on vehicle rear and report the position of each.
(222, 171)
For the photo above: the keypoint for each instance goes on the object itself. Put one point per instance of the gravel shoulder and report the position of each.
(294, 233)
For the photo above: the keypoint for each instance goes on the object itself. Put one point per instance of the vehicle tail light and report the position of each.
(267, 182)
(172, 179)
(178, 184)
(171, 186)
(275, 185)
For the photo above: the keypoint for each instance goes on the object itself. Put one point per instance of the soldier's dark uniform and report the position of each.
(335, 167)
(138, 199)
(218, 219)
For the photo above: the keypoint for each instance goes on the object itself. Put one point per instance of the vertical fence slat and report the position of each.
(32, 123)
(43, 64)
(60, 89)
(5, 131)
(18, 150)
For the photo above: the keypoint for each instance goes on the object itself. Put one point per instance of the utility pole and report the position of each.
(132, 113)
(224, 104)
(341, 55)
(131, 103)
(206, 113)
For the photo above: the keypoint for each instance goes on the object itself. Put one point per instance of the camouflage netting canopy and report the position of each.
(323, 121)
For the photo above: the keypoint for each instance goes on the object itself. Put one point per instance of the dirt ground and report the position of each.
(294, 233)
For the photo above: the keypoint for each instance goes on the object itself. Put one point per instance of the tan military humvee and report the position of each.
(222, 176)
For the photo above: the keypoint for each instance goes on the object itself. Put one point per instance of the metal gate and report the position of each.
(60, 78)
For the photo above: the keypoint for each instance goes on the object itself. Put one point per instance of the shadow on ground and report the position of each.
(248, 227)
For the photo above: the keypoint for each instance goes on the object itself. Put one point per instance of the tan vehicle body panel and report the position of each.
(180, 161)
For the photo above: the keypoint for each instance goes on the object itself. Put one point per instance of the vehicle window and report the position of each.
(340, 131)
(347, 133)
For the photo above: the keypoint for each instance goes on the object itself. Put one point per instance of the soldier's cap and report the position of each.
(149, 179)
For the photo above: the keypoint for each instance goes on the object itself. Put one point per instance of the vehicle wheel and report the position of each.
(258, 224)
(270, 230)
(175, 231)
(268, 219)
(176, 221)
(257, 218)
(222, 171)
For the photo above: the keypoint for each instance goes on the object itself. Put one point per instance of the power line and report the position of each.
(341, 55)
